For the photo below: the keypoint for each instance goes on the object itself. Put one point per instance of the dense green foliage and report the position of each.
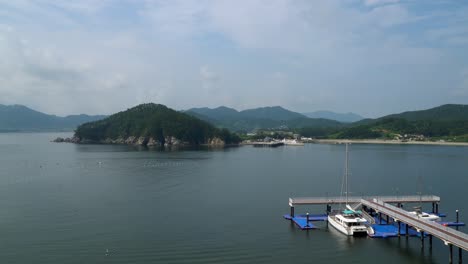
(357, 132)
(316, 132)
(389, 127)
(448, 112)
(22, 118)
(156, 121)
(448, 122)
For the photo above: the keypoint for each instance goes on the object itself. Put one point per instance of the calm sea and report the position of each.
(65, 203)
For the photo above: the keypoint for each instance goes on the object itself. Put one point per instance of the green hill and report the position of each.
(276, 113)
(153, 124)
(218, 113)
(448, 112)
(22, 118)
(448, 122)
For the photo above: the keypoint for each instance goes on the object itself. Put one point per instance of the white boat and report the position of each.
(292, 142)
(349, 221)
(425, 216)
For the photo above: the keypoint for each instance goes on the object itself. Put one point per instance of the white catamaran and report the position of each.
(349, 221)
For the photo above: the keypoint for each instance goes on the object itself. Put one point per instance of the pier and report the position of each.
(449, 236)
(357, 199)
(401, 199)
(393, 220)
(271, 144)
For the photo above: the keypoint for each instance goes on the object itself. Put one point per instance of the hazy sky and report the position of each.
(372, 57)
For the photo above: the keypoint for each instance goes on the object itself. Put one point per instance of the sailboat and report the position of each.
(349, 221)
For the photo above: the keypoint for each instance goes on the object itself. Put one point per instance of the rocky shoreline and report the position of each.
(139, 141)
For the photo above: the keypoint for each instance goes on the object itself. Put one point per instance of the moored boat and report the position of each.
(292, 142)
(425, 216)
(349, 221)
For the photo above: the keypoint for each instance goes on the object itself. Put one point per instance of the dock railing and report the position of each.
(357, 199)
(447, 234)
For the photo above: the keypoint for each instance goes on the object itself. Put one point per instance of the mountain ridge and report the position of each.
(22, 118)
(269, 117)
(446, 122)
(348, 117)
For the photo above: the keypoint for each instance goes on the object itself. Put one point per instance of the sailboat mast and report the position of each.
(346, 173)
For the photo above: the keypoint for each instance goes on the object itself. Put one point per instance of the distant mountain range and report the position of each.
(447, 122)
(340, 117)
(276, 113)
(21, 118)
(275, 117)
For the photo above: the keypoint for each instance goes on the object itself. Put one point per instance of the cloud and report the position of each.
(36, 75)
(456, 35)
(82, 6)
(281, 26)
(208, 78)
(389, 15)
(379, 2)
(102, 56)
(175, 18)
(462, 89)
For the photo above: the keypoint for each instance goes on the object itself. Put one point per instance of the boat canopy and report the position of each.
(348, 212)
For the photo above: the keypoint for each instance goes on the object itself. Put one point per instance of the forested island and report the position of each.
(152, 125)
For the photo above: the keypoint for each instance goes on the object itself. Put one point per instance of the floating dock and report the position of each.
(397, 222)
(319, 217)
(303, 221)
(448, 235)
(386, 229)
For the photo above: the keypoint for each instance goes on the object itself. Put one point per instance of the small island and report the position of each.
(151, 125)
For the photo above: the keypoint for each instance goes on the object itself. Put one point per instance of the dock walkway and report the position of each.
(448, 235)
(357, 199)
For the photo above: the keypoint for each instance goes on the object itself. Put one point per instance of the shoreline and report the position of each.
(388, 142)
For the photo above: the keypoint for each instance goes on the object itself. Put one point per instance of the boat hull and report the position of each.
(360, 234)
(338, 226)
(349, 231)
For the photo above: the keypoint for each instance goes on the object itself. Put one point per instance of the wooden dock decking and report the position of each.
(448, 235)
(357, 199)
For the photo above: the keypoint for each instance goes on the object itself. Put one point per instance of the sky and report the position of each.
(371, 57)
